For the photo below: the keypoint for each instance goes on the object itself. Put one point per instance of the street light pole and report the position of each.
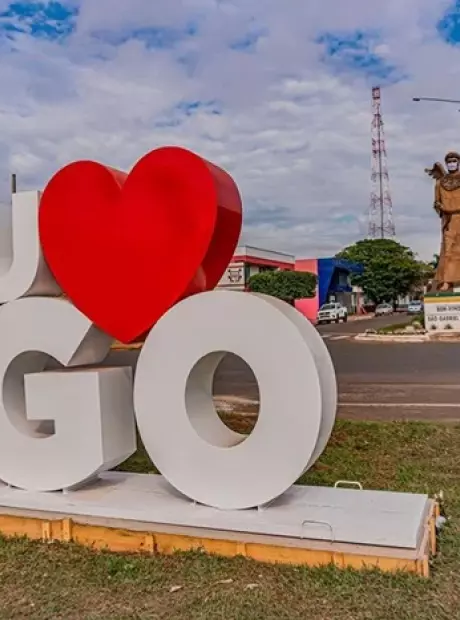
(436, 99)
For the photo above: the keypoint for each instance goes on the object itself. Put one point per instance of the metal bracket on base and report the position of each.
(348, 483)
(321, 523)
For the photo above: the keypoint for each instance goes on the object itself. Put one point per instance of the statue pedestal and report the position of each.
(442, 311)
(307, 525)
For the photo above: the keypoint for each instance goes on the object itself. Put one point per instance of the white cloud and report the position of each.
(294, 130)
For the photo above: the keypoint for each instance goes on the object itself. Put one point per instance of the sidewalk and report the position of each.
(361, 317)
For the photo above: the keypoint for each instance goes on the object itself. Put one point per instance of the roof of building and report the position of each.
(248, 252)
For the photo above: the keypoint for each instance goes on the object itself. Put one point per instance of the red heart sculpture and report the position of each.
(125, 248)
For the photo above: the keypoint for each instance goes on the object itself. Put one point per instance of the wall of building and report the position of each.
(234, 277)
(259, 256)
(333, 285)
(308, 307)
(249, 261)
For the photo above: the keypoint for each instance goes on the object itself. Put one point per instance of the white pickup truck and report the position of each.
(333, 312)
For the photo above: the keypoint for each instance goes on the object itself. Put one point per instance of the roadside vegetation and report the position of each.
(285, 285)
(417, 322)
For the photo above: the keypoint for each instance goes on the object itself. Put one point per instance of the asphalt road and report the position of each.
(376, 381)
(376, 362)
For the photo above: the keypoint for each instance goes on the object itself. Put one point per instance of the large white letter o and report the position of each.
(181, 431)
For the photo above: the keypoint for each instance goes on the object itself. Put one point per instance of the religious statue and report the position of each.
(447, 206)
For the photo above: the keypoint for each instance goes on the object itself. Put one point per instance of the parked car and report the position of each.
(415, 307)
(383, 309)
(332, 312)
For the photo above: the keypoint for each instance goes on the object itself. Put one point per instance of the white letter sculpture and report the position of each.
(175, 413)
(59, 429)
(23, 271)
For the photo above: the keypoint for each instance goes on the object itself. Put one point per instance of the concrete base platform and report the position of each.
(307, 525)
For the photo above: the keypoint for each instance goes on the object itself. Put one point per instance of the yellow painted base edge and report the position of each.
(446, 299)
(131, 541)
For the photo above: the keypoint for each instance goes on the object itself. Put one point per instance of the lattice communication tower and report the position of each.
(381, 223)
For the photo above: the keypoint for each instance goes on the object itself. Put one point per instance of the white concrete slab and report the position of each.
(375, 518)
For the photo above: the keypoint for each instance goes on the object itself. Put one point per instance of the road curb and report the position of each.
(385, 338)
(361, 317)
(444, 337)
(433, 338)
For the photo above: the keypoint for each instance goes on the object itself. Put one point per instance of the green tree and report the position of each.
(427, 271)
(390, 269)
(285, 285)
(435, 261)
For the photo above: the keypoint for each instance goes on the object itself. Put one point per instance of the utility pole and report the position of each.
(436, 99)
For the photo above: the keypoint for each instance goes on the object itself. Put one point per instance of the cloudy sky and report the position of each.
(277, 92)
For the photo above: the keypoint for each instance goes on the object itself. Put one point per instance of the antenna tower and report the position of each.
(381, 222)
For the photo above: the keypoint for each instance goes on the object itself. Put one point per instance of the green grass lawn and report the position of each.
(50, 581)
